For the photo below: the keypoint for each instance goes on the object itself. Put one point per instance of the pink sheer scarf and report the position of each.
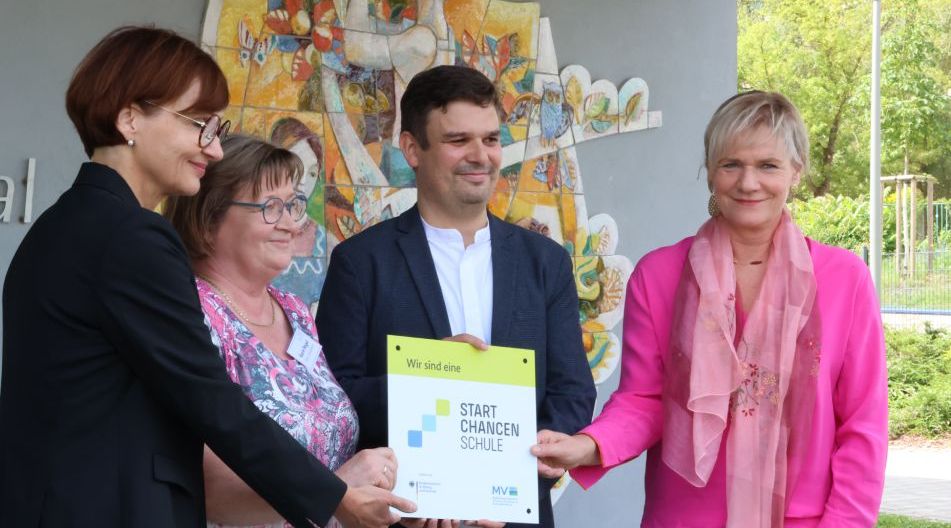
(763, 389)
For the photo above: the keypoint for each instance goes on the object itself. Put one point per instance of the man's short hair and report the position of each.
(436, 88)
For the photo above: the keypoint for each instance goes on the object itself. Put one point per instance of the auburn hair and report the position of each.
(133, 64)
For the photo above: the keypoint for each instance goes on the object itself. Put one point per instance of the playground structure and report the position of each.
(906, 220)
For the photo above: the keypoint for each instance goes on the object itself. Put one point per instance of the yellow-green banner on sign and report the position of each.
(434, 358)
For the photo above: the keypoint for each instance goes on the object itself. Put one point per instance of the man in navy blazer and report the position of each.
(447, 269)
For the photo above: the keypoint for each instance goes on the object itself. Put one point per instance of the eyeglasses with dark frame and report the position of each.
(213, 127)
(272, 209)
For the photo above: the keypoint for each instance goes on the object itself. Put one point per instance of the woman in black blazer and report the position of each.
(110, 381)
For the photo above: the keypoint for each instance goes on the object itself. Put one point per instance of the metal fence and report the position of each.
(942, 217)
(919, 282)
(927, 291)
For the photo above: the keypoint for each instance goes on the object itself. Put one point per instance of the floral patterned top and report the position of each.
(307, 402)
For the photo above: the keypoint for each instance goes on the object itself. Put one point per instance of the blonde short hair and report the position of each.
(749, 110)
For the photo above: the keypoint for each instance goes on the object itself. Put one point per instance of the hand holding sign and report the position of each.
(373, 467)
(557, 452)
(469, 338)
(371, 507)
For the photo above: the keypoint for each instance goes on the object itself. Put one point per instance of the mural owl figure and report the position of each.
(323, 78)
(556, 114)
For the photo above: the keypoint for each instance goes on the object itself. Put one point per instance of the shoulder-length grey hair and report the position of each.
(750, 110)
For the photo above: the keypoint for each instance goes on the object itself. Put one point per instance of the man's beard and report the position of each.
(477, 196)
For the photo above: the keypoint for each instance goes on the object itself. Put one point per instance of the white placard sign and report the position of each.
(461, 422)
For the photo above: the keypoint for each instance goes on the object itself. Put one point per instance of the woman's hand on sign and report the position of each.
(557, 452)
(373, 467)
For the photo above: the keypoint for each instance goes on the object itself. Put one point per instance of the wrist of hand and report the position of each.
(592, 454)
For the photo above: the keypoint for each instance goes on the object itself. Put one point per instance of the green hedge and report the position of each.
(919, 382)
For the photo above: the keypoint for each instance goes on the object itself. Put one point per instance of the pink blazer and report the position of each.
(841, 482)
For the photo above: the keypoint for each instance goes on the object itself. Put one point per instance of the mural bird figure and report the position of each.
(555, 115)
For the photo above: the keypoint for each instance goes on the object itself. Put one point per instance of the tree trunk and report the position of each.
(821, 184)
(828, 153)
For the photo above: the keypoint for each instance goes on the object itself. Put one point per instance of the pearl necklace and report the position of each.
(234, 306)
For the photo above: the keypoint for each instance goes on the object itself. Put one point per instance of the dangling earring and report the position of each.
(131, 142)
(712, 206)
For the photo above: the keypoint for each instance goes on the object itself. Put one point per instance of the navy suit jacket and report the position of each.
(383, 281)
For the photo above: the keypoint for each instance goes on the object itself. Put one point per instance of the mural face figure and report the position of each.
(460, 168)
(305, 152)
(296, 137)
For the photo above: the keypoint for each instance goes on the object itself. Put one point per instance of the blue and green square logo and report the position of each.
(414, 437)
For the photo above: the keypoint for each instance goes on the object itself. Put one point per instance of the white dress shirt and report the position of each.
(465, 277)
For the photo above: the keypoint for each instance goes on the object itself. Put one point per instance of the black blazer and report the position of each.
(111, 383)
(383, 281)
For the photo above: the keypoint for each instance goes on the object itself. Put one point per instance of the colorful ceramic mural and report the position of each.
(323, 78)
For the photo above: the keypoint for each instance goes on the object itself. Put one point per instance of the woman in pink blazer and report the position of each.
(753, 368)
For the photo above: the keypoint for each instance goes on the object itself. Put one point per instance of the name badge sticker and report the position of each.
(305, 349)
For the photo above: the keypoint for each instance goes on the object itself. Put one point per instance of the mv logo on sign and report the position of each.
(505, 491)
(506, 496)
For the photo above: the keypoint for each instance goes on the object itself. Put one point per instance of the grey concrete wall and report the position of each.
(42, 42)
(648, 181)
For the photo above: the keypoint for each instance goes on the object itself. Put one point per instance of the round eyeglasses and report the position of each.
(273, 208)
(210, 129)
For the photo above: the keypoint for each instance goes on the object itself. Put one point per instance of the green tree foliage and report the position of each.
(818, 53)
(834, 220)
(841, 221)
(916, 114)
